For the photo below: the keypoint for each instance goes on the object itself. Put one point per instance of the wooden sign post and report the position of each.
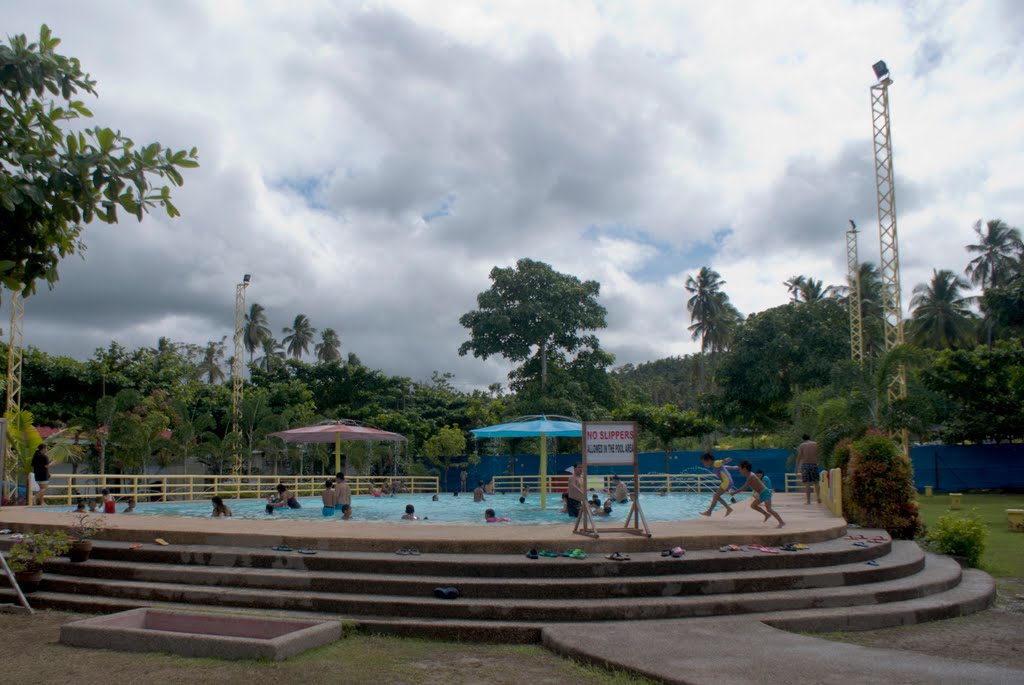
(612, 443)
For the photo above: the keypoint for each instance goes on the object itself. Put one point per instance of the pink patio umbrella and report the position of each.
(336, 431)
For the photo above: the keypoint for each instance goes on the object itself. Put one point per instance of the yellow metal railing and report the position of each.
(649, 482)
(68, 489)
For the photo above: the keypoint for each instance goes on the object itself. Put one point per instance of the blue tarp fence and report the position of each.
(947, 468)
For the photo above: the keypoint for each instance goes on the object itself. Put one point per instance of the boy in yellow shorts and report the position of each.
(725, 481)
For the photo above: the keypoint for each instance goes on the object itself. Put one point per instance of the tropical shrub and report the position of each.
(964, 535)
(881, 487)
(36, 549)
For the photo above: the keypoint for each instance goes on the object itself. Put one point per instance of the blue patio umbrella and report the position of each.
(535, 426)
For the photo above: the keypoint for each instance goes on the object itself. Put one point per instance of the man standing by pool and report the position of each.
(41, 464)
(576, 493)
(807, 466)
(343, 496)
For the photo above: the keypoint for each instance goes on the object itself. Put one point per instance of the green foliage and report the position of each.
(23, 437)
(36, 549)
(532, 311)
(778, 351)
(984, 389)
(963, 535)
(56, 175)
(841, 455)
(880, 482)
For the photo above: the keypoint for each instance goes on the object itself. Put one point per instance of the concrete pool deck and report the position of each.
(804, 523)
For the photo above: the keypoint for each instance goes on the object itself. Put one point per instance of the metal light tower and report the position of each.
(887, 236)
(236, 374)
(853, 276)
(9, 470)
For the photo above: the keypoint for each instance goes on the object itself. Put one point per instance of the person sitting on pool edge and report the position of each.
(219, 508)
(491, 517)
(283, 498)
(327, 496)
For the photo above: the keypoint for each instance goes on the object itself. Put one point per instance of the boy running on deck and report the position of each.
(725, 484)
(762, 494)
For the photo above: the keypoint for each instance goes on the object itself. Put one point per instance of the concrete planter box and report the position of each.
(220, 636)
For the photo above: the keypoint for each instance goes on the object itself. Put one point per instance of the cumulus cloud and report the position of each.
(370, 163)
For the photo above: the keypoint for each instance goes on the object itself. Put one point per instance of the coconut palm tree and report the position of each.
(256, 328)
(705, 305)
(273, 353)
(299, 337)
(213, 354)
(941, 314)
(329, 347)
(998, 248)
(806, 289)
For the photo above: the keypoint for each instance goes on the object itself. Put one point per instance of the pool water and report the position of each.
(447, 510)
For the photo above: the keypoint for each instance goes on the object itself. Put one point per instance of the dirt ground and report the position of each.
(32, 654)
(991, 637)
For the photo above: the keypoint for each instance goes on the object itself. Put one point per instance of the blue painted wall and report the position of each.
(945, 467)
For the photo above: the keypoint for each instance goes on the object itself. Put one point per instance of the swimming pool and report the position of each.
(447, 510)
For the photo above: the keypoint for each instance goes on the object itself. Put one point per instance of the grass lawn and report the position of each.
(35, 656)
(1004, 553)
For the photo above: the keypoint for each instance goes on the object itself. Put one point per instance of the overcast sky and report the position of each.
(369, 163)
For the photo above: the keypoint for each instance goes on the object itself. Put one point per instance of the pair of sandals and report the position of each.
(617, 556)
(762, 548)
(730, 548)
(446, 592)
(675, 552)
(877, 539)
(286, 548)
(793, 546)
(408, 552)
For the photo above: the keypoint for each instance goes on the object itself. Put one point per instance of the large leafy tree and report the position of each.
(534, 312)
(942, 315)
(55, 174)
(299, 337)
(329, 347)
(256, 329)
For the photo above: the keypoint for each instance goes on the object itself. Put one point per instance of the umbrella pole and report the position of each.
(543, 470)
(337, 452)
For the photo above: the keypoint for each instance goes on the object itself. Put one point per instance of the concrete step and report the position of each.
(975, 592)
(517, 566)
(905, 559)
(938, 574)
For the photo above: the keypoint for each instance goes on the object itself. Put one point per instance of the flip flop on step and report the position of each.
(532, 554)
(135, 545)
(161, 542)
(871, 562)
(404, 552)
(666, 552)
(861, 544)
(547, 553)
(446, 592)
(855, 537)
(878, 539)
(577, 554)
(306, 550)
(282, 548)
(617, 556)
(678, 552)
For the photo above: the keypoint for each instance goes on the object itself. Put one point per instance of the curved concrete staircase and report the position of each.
(834, 585)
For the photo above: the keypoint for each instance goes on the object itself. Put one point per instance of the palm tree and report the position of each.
(329, 347)
(299, 337)
(998, 249)
(806, 289)
(273, 352)
(941, 315)
(705, 305)
(256, 328)
(210, 365)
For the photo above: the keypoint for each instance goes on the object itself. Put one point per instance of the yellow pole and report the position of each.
(543, 471)
(337, 452)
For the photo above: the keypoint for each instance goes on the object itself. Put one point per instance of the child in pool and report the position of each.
(219, 508)
(410, 513)
(327, 496)
(491, 517)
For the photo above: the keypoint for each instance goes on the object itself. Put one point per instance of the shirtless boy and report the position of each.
(762, 495)
(343, 496)
(807, 464)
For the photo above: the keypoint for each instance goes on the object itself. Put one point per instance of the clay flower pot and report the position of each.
(29, 581)
(80, 550)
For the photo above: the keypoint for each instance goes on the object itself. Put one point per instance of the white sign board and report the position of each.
(610, 443)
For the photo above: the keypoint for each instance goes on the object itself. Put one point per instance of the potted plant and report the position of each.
(82, 531)
(28, 556)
